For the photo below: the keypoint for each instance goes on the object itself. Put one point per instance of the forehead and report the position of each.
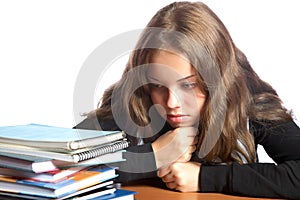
(171, 65)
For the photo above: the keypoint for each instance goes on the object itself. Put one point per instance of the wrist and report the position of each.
(158, 161)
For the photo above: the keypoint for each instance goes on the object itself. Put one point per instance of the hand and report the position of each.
(176, 145)
(183, 177)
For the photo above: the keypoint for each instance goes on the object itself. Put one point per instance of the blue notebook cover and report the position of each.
(117, 194)
(43, 136)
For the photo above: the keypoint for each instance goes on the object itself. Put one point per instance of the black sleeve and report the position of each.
(139, 164)
(255, 180)
(140, 161)
(281, 142)
(281, 180)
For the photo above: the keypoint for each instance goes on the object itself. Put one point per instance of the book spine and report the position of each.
(100, 151)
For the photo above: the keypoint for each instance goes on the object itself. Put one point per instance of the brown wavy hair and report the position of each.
(224, 71)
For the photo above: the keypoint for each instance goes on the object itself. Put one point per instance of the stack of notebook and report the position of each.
(46, 162)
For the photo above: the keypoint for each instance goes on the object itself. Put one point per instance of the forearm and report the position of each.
(256, 180)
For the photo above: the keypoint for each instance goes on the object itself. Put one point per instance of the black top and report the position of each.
(280, 180)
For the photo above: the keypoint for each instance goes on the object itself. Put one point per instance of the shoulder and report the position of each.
(92, 122)
(263, 129)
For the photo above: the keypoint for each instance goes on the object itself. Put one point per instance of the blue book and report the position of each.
(118, 194)
(104, 187)
(51, 137)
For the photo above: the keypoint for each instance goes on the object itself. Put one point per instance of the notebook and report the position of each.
(27, 163)
(104, 187)
(52, 176)
(117, 195)
(37, 164)
(43, 136)
(75, 156)
(103, 159)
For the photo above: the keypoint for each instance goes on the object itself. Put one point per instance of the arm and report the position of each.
(282, 143)
(256, 179)
(142, 161)
(136, 166)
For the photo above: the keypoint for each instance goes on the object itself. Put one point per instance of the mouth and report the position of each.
(176, 118)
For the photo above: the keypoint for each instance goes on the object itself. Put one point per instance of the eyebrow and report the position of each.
(187, 77)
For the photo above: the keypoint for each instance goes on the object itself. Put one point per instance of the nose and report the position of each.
(173, 99)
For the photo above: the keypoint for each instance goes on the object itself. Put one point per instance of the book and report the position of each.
(72, 156)
(95, 194)
(102, 186)
(52, 176)
(27, 163)
(37, 164)
(92, 194)
(103, 159)
(43, 136)
(81, 180)
(119, 194)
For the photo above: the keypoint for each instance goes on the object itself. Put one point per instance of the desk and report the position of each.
(147, 191)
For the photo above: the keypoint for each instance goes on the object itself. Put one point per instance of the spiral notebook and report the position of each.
(52, 137)
(72, 156)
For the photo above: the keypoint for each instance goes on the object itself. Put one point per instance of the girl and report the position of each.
(195, 111)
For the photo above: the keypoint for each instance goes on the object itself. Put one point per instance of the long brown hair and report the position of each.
(228, 79)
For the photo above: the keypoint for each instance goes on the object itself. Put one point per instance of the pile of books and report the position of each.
(46, 162)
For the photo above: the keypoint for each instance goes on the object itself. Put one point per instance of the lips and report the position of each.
(177, 118)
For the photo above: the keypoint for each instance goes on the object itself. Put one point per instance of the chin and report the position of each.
(177, 125)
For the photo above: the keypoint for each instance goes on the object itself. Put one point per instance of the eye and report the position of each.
(158, 88)
(189, 85)
(156, 85)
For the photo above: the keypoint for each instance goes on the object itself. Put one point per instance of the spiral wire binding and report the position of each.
(101, 151)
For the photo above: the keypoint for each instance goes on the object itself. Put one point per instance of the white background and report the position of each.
(43, 45)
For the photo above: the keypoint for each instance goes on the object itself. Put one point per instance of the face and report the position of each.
(175, 88)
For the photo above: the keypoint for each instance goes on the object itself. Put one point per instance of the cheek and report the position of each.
(200, 102)
(195, 103)
(156, 98)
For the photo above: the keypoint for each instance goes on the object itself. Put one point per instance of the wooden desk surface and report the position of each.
(147, 191)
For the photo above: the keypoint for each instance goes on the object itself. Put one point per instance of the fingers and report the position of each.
(192, 148)
(183, 177)
(196, 139)
(168, 178)
(171, 185)
(176, 144)
(163, 172)
(187, 155)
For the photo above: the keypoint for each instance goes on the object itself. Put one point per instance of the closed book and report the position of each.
(52, 176)
(51, 137)
(100, 186)
(27, 163)
(95, 193)
(117, 195)
(79, 181)
(72, 156)
(37, 164)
